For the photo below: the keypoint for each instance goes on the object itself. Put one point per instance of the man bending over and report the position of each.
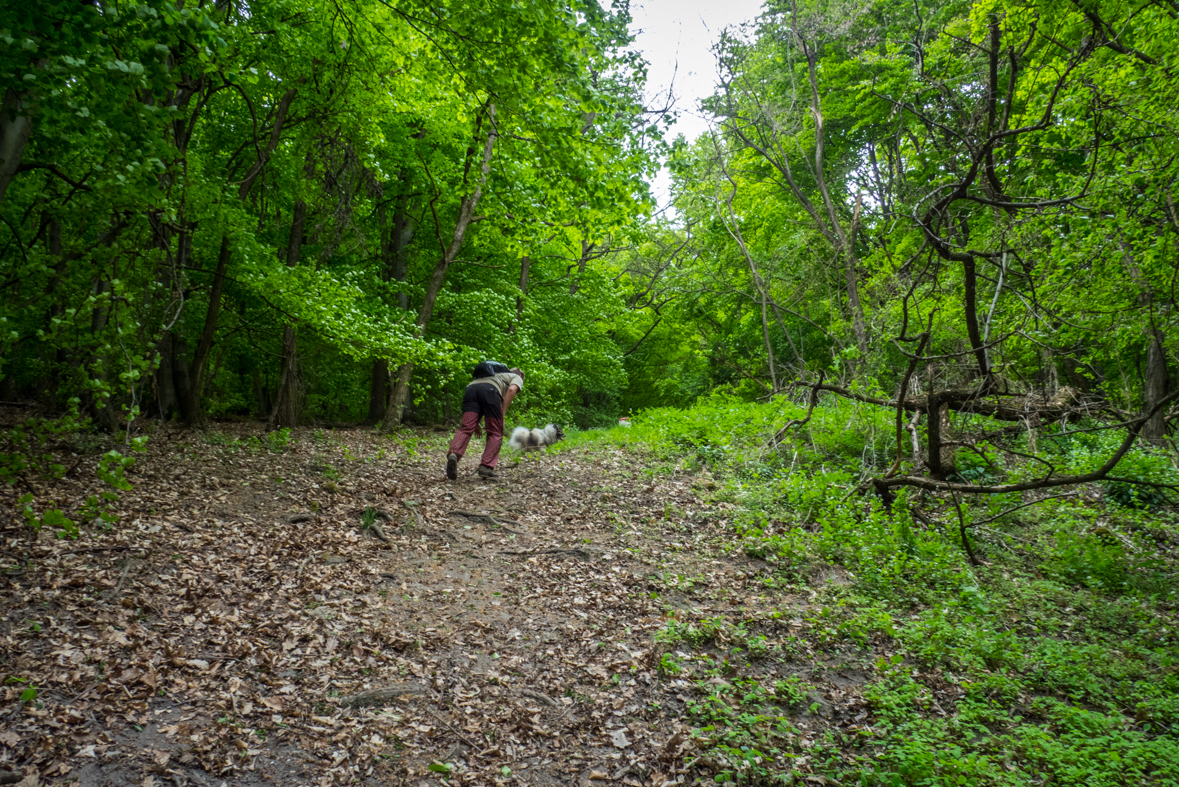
(487, 397)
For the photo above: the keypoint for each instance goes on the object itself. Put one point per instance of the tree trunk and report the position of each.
(190, 402)
(55, 310)
(261, 395)
(586, 250)
(850, 262)
(1155, 388)
(396, 409)
(466, 212)
(280, 116)
(969, 299)
(378, 391)
(525, 269)
(288, 401)
(181, 379)
(394, 247)
(949, 453)
(165, 381)
(933, 430)
(15, 128)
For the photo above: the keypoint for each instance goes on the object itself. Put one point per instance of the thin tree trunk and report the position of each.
(394, 250)
(467, 207)
(850, 263)
(970, 302)
(261, 395)
(525, 269)
(586, 250)
(15, 129)
(933, 430)
(165, 381)
(288, 401)
(55, 310)
(180, 376)
(1155, 388)
(255, 170)
(378, 391)
(190, 404)
(765, 335)
(1154, 383)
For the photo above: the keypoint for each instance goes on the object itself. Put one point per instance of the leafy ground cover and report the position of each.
(677, 602)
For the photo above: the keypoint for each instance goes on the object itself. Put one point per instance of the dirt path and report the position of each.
(221, 632)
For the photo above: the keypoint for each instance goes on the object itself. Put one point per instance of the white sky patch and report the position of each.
(676, 38)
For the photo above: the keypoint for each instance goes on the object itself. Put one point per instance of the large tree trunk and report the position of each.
(467, 207)
(15, 128)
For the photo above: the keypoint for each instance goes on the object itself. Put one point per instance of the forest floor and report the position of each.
(220, 632)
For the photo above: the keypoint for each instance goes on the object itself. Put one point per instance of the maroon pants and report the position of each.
(481, 401)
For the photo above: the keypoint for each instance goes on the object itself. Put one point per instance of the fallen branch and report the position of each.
(577, 552)
(417, 517)
(974, 561)
(536, 695)
(884, 485)
(990, 519)
(367, 699)
(962, 400)
(814, 400)
(488, 519)
(15, 571)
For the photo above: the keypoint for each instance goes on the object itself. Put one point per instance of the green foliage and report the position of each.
(745, 730)
(1054, 658)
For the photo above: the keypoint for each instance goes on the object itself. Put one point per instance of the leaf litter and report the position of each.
(240, 625)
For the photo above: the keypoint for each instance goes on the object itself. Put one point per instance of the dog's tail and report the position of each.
(519, 439)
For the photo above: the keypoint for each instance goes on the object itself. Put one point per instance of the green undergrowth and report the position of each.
(1055, 661)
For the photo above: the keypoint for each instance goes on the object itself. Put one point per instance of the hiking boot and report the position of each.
(487, 472)
(452, 466)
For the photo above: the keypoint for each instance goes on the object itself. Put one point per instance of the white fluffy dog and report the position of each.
(534, 439)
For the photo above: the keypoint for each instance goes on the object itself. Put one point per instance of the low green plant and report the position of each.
(278, 440)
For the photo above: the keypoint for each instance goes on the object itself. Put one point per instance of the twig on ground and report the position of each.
(122, 579)
(488, 519)
(15, 571)
(539, 697)
(417, 516)
(578, 552)
(366, 699)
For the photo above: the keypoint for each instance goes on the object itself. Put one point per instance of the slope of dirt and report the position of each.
(224, 631)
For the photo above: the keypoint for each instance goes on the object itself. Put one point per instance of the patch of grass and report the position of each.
(1057, 660)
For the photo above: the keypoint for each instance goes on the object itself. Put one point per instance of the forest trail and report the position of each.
(216, 633)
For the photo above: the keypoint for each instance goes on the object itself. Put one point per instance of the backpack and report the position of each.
(488, 369)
